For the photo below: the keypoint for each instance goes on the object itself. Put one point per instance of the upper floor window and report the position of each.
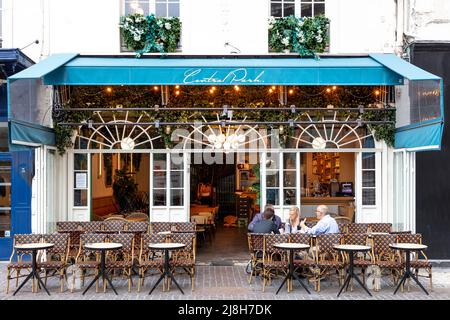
(161, 8)
(299, 8)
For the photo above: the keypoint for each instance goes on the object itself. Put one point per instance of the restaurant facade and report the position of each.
(156, 136)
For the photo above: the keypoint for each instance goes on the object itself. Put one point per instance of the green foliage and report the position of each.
(150, 34)
(256, 97)
(306, 35)
(382, 132)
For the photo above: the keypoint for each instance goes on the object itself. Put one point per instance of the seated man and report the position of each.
(326, 223)
(266, 225)
(258, 217)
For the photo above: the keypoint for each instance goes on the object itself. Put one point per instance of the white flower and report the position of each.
(319, 38)
(270, 26)
(137, 38)
(285, 41)
(167, 26)
(301, 23)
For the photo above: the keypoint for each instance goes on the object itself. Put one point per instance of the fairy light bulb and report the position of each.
(377, 92)
(291, 91)
(155, 88)
(273, 87)
(334, 87)
(177, 93)
(177, 87)
(109, 89)
(236, 88)
(328, 90)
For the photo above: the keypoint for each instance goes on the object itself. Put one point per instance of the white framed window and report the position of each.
(299, 8)
(161, 8)
(81, 180)
(167, 181)
(369, 182)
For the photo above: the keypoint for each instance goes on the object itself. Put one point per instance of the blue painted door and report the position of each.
(18, 193)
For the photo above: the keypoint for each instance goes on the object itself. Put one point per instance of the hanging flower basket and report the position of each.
(306, 35)
(150, 34)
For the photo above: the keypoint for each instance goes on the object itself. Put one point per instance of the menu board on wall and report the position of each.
(81, 180)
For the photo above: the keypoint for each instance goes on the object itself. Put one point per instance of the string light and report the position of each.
(273, 87)
(155, 88)
(177, 87)
(291, 91)
(328, 90)
(213, 88)
(377, 92)
(270, 90)
(211, 91)
(177, 92)
(237, 88)
(109, 89)
(334, 87)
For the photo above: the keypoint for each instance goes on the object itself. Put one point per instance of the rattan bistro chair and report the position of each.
(419, 259)
(19, 258)
(56, 259)
(274, 259)
(123, 258)
(150, 259)
(184, 258)
(114, 225)
(187, 227)
(156, 227)
(384, 256)
(327, 258)
(303, 262)
(255, 248)
(88, 259)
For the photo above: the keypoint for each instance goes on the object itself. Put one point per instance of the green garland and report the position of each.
(150, 34)
(306, 35)
(256, 97)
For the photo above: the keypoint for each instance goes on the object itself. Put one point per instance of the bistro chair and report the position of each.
(361, 260)
(148, 258)
(88, 259)
(200, 223)
(56, 258)
(184, 258)
(73, 229)
(327, 258)
(274, 259)
(255, 248)
(156, 227)
(123, 258)
(357, 228)
(310, 224)
(20, 259)
(400, 232)
(137, 228)
(303, 260)
(380, 227)
(385, 257)
(416, 262)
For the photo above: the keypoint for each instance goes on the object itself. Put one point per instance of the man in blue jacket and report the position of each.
(259, 217)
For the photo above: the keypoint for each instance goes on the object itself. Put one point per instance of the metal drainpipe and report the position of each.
(399, 28)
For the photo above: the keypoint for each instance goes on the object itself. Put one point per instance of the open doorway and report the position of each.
(120, 186)
(230, 188)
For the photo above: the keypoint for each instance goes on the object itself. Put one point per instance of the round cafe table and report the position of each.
(166, 247)
(351, 249)
(291, 247)
(102, 247)
(407, 248)
(34, 248)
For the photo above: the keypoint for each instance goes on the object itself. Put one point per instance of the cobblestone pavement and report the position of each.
(230, 282)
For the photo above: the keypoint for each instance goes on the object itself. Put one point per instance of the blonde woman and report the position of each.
(293, 222)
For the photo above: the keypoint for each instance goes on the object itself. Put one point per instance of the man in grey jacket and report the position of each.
(259, 217)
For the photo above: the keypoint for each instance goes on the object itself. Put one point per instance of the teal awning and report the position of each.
(44, 67)
(422, 102)
(27, 134)
(222, 71)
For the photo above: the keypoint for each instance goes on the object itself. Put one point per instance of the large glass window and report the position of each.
(368, 179)
(281, 179)
(168, 180)
(161, 8)
(301, 8)
(5, 199)
(80, 180)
